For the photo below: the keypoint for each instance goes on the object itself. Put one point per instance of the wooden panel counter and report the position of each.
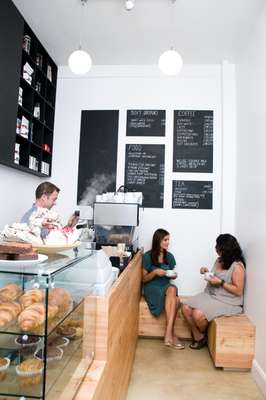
(116, 319)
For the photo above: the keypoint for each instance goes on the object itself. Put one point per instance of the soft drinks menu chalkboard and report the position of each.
(193, 141)
(145, 122)
(144, 172)
(192, 194)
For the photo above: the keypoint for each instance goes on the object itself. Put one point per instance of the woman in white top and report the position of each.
(223, 294)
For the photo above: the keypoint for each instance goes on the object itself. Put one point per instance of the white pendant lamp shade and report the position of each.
(170, 62)
(79, 62)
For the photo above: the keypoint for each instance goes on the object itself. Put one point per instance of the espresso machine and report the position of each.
(116, 222)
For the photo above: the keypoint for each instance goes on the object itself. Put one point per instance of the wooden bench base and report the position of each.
(150, 326)
(231, 342)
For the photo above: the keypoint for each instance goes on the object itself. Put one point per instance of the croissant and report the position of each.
(8, 313)
(59, 297)
(31, 296)
(10, 292)
(34, 316)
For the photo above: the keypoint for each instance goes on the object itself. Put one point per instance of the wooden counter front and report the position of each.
(116, 319)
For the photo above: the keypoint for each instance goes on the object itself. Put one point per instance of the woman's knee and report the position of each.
(171, 291)
(186, 310)
(198, 315)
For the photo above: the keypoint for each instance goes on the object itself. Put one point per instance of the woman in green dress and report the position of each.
(159, 293)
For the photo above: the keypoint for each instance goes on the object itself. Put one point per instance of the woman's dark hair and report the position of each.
(229, 250)
(158, 236)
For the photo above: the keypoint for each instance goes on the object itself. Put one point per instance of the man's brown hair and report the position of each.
(45, 188)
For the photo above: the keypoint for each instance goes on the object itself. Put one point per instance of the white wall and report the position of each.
(193, 232)
(251, 182)
(17, 193)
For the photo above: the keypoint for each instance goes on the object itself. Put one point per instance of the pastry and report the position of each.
(61, 298)
(29, 341)
(8, 313)
(26, 256)
(15, 248)
(31, 296)
(79, 332)
(76, 323)
(4, 364)
(66, 331)
(52, 353)
(34, 316)
(29, 372)
(10, 292)
(58, 341)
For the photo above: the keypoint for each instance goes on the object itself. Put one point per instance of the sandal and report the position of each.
(177, 346)
(199, 344)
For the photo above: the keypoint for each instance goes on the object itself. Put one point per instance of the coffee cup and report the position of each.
(208, 276)
(170, 273)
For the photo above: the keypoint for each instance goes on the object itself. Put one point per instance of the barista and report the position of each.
(46, 195)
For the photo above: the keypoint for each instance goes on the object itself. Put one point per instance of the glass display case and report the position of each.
(42, 324)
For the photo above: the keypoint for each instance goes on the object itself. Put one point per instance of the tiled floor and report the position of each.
(162, 373)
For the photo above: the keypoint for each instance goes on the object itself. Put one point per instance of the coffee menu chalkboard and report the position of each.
(192, 194)
(193, 141)
(145, 122)
(144, 172)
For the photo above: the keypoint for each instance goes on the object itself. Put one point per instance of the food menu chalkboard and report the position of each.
(193, 141)
(144, 172)
(145, 122)
(192, 194)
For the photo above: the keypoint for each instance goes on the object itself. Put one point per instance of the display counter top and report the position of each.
(52, 265)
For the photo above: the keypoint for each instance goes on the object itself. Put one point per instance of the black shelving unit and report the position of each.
(26, 142)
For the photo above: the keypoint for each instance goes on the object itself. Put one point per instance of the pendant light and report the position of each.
(129, 5)
(80, 61)
(170, 61)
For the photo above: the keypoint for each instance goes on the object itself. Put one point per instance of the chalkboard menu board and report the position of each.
(144, 172)
(192, 194)
(193, 141)
(97, 154)
(145, 122)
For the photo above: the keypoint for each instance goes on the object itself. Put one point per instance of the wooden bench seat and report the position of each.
(231, 340)
(150, 326)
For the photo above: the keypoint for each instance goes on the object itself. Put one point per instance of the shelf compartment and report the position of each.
(49, 117)
(23, 150)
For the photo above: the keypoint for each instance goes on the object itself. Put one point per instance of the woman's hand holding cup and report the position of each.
(159, 272)
(203, 270)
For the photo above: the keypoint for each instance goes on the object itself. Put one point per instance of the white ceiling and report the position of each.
(203, 31)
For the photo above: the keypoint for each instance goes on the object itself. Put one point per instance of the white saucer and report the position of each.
(6, 263)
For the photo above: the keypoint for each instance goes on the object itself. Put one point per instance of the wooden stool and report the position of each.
(231, 342)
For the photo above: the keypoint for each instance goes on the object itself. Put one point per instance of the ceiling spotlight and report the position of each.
(129, 5)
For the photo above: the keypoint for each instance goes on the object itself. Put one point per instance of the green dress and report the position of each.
(154, 290)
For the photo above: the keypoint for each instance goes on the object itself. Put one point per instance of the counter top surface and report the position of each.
(55, 263)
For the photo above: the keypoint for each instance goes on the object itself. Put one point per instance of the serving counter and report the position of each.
(116, 319)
